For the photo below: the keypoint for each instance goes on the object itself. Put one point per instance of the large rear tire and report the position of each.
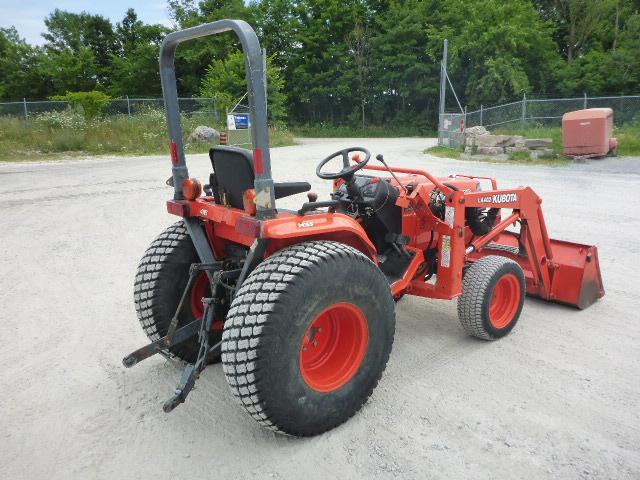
(161, 278)
(308, 336)
(493, 291)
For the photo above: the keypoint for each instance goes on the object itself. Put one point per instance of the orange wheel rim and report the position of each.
(505, 301)
(334, 347)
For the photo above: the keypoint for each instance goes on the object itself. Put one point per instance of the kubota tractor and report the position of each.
(299, 305)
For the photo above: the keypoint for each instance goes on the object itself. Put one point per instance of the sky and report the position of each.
(28, 17)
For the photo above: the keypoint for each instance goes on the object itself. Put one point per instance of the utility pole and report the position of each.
(443, 75)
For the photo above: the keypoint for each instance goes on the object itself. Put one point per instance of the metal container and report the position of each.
(589, 133)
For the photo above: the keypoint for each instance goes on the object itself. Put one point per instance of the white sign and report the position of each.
(231, 122)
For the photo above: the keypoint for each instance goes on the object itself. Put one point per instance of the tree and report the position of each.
(613, 72)
(22, 68)
(320, 80)
(78, 34)
(499, 50)
(226, 82)
(359, 43)
(579, 22)
(193, 58)
(134, 69)
(406, 75)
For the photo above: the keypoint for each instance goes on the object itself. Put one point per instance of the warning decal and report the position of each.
(445, 252)
(449, 213)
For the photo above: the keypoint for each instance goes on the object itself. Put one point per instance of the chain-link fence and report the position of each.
(550, 111)
(529, 111)
(121, 106)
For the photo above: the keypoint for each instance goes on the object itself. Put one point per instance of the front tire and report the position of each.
(308, 336)
(493, 291)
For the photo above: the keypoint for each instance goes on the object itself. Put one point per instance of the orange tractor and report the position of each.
(299, 305)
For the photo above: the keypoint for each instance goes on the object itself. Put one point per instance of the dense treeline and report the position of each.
(346, 61)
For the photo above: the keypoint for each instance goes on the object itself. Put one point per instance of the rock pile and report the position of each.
(479, 141)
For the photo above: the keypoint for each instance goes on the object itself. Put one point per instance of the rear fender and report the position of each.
(285, 231)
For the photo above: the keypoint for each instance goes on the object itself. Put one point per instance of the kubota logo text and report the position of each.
(499, 198)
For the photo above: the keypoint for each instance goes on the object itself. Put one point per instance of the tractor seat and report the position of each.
(233, 174)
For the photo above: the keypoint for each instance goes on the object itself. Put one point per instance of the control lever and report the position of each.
(380, 158)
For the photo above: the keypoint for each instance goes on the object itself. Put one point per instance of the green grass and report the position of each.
(444, 152)
(629, 139)
(65, 134)
(333, 131)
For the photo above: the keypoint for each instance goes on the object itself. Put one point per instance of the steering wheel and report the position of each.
(348, 169)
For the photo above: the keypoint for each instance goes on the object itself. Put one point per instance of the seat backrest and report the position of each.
(233, 168)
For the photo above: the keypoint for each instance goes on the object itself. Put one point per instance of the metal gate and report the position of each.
(451, 130)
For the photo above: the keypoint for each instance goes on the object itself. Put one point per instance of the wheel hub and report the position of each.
(504, 301)
(334, 347)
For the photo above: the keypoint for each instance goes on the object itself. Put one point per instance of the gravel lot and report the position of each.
(558, 398)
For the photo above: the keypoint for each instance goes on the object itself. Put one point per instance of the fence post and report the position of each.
(26, 112)
(585, 100)
(524, 108)
(128, 107)
(481, 107)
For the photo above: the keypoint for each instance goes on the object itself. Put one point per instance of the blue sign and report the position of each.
(242, 120)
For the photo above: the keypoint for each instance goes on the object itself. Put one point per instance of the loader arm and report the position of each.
(554, 270)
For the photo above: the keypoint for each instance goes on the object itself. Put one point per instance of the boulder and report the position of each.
(516, 149)
(537, 143)
(499, 140)
(204, 134)
(489, 140)
(490, 151)
(476, 131)
(471, 133)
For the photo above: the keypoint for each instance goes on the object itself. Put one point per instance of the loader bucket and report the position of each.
(576, 277)
(575, 271)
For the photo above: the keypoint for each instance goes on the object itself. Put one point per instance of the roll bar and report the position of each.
(265, 199)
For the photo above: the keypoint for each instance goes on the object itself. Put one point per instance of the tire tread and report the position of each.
(247, 324)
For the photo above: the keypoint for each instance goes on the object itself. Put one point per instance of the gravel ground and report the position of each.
(558, 398)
